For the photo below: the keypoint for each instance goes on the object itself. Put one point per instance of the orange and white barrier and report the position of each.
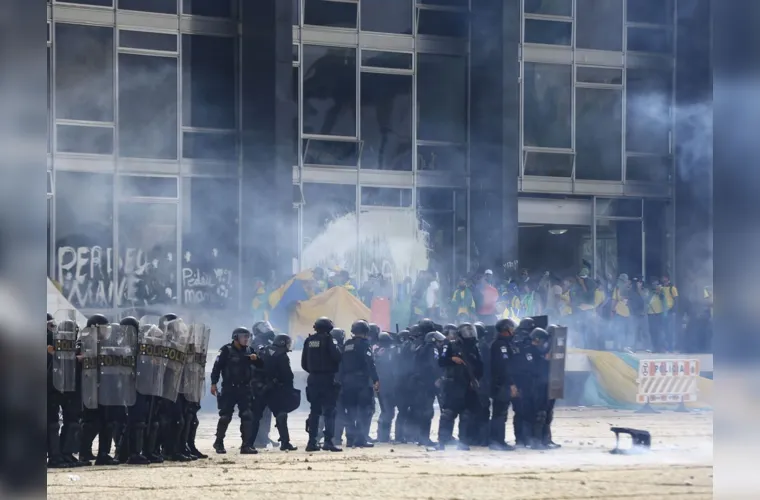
(667, 381)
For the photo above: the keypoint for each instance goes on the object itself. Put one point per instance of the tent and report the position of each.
(57, 302)
(337, 303)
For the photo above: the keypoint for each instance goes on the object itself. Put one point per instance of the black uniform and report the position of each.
(479, 425)
(263, 334)
(386, 359)
(55, 400)
(405, 428)
(321, 360)
(235, 366)
(538, 401)
(426, 373)
(357, 376)
(460, 384)
(501, 382)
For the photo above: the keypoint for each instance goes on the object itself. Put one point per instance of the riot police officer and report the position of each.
(547, 433)
(386, 359)
(502, 388)
(463, 370)
(426, 373)
(278, 394)
(340, 412)
(54, 402)
(406, 429)
(234, 363)
(132, 447)
(321, 358)
(538, 399)
(522, 378)
(263, 335)
(480, 422)
(358, 377)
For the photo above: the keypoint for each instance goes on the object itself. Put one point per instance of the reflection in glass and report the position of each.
(386, 121)
(147, 106)
(208, 81)
(650, 11)
(548, 164)
(548, 105)
(84, 72)
(331, 153)
(648, 169)
(330, 13)
(443, 158)
(386, 197)
(209, 146)
(549, 7)
(598, 134)
(83, 139)
(157, 6)
(655, 40)
(329, 90)
(148, 250)
(442, 97)
(599, 24)
(387, 16)
(648, 103)
(442, 23)
(548, 32)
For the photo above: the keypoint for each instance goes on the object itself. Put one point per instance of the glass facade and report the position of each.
(148, 141)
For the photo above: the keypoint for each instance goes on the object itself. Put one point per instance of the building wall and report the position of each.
(181, 134)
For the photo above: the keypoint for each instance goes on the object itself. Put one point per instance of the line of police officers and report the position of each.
(134, 384)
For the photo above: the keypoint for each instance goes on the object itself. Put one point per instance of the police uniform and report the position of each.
(386, 359)
(500, 355)
(426, 374)
(357, 376)
(321, 358)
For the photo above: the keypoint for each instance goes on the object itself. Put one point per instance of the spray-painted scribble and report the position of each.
(206, 282)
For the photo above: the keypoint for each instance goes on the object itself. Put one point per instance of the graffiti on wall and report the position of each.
(205, 280)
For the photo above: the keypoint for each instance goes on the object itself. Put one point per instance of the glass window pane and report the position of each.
(648, 103)
(147, 40)
(208, 81)
(387, 16)
(442, 23)
(209, 146)
(386, 121)
(157, 6)
(147, 106)
(439, 199)
(83, 139)
(548, 32)
(655, 169)
(599, 24)
(442, 97)
(394, 60)
(147, 186)
(446, 3)
(329, 90)
(294, 97)
(148, 250)
(330, 13)
(650, 11)
(548, 164)
(84, 237)
(296, 12)
(100, 3)
(84, 72)
(331, 153)
(618, 207)
(210, 241)
(295, 53)
(611, 76)
(49, 100)
(386, 197)
(654, 40)
(451, 159)
(598, 134)
(209, 8)
(327, 205)
(549, 7)
(548, 105)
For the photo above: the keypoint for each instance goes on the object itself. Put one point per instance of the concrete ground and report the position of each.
(680, 466)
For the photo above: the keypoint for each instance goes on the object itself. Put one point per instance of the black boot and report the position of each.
(104, 446)
(191, 438)
(55, 460)
(383, 432)
(150, 448)
(281, 422)
(248, 450)
(329, 446)
(136, 437)
(221, 431)
(183, 447)
(173, 444)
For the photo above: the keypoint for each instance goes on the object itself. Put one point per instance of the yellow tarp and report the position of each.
(618, 379)
(337, 303)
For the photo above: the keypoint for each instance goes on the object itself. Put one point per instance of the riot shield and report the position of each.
(557, 363)
(64, 357)
(194, 374)
(116, 359)
(151, 364)
(150, 319)
(177, 337)
(88, 345)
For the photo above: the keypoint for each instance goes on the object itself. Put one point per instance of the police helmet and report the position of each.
(384, 339)
(49, 317)
(323, 325)
(263, 328)
(97, 320)
(242, 335)
(505, 325)
(450, 330)
(480, 327)
(68, 325)
(374, 331)
(527, 324)
(403, 335)
(166, 319)
(338, 334)
(414, 332)
(426, 325)
(360, 328)
(130, 321)
(432, 337)
(467, 331)
(283, 340)
(539, 335)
